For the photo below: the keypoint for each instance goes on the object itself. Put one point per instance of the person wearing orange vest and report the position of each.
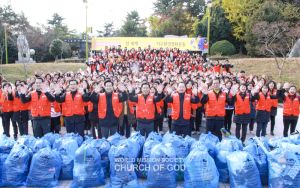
(273, 113)
(263, 108)
(215, 102)
(291, 109)
(93, 115)
(40, 99)
(7, 109)
(20, 115)
(109, 107)
(73, 103)
(182, 105)
(242, 101)
(145, 107)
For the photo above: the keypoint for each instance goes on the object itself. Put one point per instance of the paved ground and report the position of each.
(278, 133)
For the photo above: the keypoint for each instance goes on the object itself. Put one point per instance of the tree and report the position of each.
(133, 26)
(108, 30)
(275, 28)
(60, 29)
(56, 48)
(220, 26)
(239, 12)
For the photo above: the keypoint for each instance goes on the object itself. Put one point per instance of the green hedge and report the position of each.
(222, 47)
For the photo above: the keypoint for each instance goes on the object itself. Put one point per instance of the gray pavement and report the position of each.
(278, 133)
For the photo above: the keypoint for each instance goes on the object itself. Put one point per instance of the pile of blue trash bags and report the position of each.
(162, 161)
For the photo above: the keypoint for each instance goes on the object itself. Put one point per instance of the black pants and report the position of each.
(6, 118)
(41, 127)
(289, 124)
(192, 124)
(87, 125)
(145, 128)
(272, 123)
(75, 124)
(94, 126)
(261, 129)
(228, 119)
(198, 118)
(251, 125)
(214, 126)
(125, 127)
(170, 123)
(107, 131)
(181, 130)
(238, 131)
(158, 123)
(55, 124)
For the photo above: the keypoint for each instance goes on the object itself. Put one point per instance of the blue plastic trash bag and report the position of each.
(144, 164)
(295, 139)
(257, 151)
(190, 141)
(284, 167)
(3, 157)
(44, 169)
(40, 144)
(102, 146)
(139, 139)
(162, 172)
(224, 148)
(275, 142)
(87, 170)
(210, 141)
(50, 137)
(242, 170)
(28, 141)
(78, 138)
(200, 170)
(198, 144)
(67, 151)
(115, 139)
(6, 144)
(16, 166)
(154, 136)
(181, 149)
(122, 167)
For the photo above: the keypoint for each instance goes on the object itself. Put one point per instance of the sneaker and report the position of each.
(272, 133)
(161, 132)
(194, 132)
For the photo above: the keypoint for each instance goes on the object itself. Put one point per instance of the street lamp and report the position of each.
(5, 41)
(86, 31)
(209, 5)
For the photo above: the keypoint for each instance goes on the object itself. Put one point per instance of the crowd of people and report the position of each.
(140, 89)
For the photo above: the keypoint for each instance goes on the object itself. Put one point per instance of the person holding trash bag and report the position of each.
(40, 99)
(109, 107)
(73, 103)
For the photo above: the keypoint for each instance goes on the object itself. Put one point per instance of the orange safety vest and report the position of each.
(264, 103)
(200, 96)
(90, 106)
(73, 107)
(291, 107)
(159, 106)
(7, 105)
(242, 106)
(274, 101)
(214, 106)
(131, 106)
(57, 107)
(102, 105)
(40, 106)
(217, 68)
(18, 105)
(187, 106)
(145, 109)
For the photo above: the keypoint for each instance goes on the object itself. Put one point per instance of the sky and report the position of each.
(99, 11)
